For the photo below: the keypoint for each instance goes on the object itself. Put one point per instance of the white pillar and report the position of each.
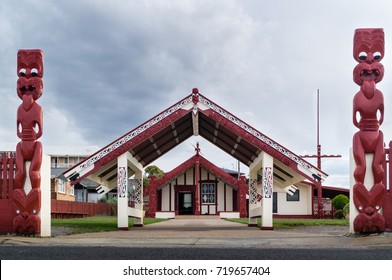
(254, 196)
(138, 222)
(368, 182)
(122, 192)
(45, 213)
(267, 191)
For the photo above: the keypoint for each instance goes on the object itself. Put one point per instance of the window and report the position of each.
(294, 197)
(208, 193)
(54, 162)
(61, 186)
(72, 190)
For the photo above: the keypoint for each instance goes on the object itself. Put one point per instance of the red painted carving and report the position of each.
(153, 202)
(7, 211)
(29, 129)
(195, 95)
(368, 105)
(242, 189)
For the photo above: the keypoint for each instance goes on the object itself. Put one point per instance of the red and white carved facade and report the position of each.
(196, 115)
(197, 187)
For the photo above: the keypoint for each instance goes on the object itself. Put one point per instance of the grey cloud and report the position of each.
(109, 66)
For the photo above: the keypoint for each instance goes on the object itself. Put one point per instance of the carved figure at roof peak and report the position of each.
(195, 95)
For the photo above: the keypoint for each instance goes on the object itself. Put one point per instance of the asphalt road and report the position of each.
(16, 252)
(202, 239)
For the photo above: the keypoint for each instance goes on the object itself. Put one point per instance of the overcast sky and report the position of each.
(111, 65)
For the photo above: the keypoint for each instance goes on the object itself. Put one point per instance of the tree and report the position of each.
(153, 170)
(340, 201)
(149, 171)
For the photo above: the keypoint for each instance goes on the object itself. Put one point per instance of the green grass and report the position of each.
(109, 223)
(96, 223)
(290, 223)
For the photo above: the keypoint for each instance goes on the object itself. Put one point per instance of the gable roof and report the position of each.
(193, 115)
(190, 163)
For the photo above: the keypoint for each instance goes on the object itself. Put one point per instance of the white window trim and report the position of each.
(72, 190)
(61, 186)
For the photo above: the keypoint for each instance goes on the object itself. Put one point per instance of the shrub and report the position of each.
(346, 209)
(111, 201)
(339, 201)
(339, 214)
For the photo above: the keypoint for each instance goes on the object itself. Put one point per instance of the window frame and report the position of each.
(294, 197)
(61, 186)
(208, 193)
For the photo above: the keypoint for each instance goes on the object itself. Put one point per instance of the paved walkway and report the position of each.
(212, 233)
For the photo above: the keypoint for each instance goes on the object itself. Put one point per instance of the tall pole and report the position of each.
(319, 156)
(319, 187)
(318, 131)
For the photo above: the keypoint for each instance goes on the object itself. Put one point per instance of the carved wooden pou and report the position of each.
(27, 192)
(368, 115)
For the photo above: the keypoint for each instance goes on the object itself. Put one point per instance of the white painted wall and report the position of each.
(221, 197)
(229, 198)
(45, 215)
(165, 198)
(301, 207)
(204, 208)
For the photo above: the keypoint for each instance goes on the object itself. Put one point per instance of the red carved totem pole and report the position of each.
(27, 200)
(369, 108)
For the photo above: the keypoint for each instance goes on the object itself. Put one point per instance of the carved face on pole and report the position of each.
(368, 51)
(368, 103)
(27, 200)
(30, 70)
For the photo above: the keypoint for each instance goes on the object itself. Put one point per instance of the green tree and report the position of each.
(151, 170)
(340, 201)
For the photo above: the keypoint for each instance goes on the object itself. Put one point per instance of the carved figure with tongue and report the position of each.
(27, 192)
(368, 115)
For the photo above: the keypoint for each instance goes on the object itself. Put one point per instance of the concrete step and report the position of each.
(199, 217)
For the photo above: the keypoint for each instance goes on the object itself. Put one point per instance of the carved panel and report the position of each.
(253, 191)
(138, 193)
(122, 182)
(267, 182)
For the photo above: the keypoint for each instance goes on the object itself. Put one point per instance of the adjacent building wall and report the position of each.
(301, 207)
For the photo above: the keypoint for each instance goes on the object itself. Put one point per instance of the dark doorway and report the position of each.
(275, 202)
(185, 203)
(235, 206)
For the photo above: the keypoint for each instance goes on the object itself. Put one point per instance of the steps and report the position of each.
(199, 217)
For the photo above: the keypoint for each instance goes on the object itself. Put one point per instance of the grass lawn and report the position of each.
(109, 223)
(290, 223)
(96, 223)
